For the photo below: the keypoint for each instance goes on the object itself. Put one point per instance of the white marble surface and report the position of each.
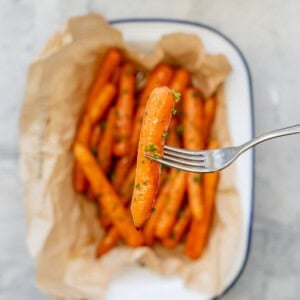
(267, 32)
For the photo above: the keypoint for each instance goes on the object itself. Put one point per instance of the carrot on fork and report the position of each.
(124, 108)
(105, 147)
(193, 139)
(107, 68)
(198, 234)
(157, 117)
(107, 197)
(160, 76)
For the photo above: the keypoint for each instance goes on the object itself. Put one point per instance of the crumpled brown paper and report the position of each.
(62, 231)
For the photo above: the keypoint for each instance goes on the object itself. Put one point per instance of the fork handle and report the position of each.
(270, 135)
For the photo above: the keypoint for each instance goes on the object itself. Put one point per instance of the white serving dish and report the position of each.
(140, 283)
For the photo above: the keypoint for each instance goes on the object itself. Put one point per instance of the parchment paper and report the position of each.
(62, 230)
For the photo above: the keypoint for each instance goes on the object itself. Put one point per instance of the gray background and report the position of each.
(268, 33)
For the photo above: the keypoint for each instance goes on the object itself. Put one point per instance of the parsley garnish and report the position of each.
(176, 96)
(196, 95)
(151, 147)
(153, 209)
(165, 134)
(137, 186)
(94, 151)
(179, 129)
(173, 111)
(197, 179)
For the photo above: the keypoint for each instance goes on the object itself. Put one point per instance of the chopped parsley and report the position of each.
(137, 186)
(151, 148)
(111, 175)
(94, 151)
(176, 96)
(179, 129)
(197, 179)
(173, 111)
(165, 134)
(153, 209)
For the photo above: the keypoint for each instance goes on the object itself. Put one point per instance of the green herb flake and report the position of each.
(197, 179)
(137, 186)
(150, 148)
(145, 182)
(176, 96)
(165, 134)
(143, 161)
(153, 209)
(103, 125)
(179, 129)
(173, 111)
(156, 155)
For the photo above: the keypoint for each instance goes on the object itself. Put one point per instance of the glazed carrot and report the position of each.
(180, 81)
(198, 234)
(109, 200)
(101, 103)
(179, 229)
(124, 107)
(90, 194)
(95, 138)
(121, 170)
(80, 183)
(160, 76)
(159, 205)
(210, 106)
(116, 75)
(172, 137)
(176, 194)
(104, 219)
(157, 117)
(193, 139)
(106, 70)
(105, 147)
(127, 186)
(109, 240)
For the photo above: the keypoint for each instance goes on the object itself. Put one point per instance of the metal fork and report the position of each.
(208, 161)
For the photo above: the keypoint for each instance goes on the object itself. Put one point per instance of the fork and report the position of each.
(208, 161)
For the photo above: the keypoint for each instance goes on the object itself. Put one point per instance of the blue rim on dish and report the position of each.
(166, 20)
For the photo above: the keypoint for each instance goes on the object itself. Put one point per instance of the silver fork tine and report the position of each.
(179, 166)
(184, 151)
(201, 157)
(196, 163)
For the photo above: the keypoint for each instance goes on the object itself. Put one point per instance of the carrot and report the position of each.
(156, 120)
(193, 139)
(101, 103)
(175, 198)
(178, 230)
(80, 183)
(160, 76)
(95, 138)
(109, 240)
(198, 234)
(124, 107)
(172, 137)
(159, 205)
(180, 81)
(105, 147)
(121, 169)
(108, 66)
(127, 186)
(104, 219)
(107, 197)
(210, 107)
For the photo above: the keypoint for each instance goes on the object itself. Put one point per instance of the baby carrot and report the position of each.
(178, 230)
(106, 70)
(156, 120)
(121, 169)
(160, 76)
(124, 108)
(193, 139)
(176, 194)
(180, 81)
(95, 138)
(105, 147)
(198, 234)
(210, 106)
(127, 186)
(101, 103)
(109, 240)
(107, 197)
